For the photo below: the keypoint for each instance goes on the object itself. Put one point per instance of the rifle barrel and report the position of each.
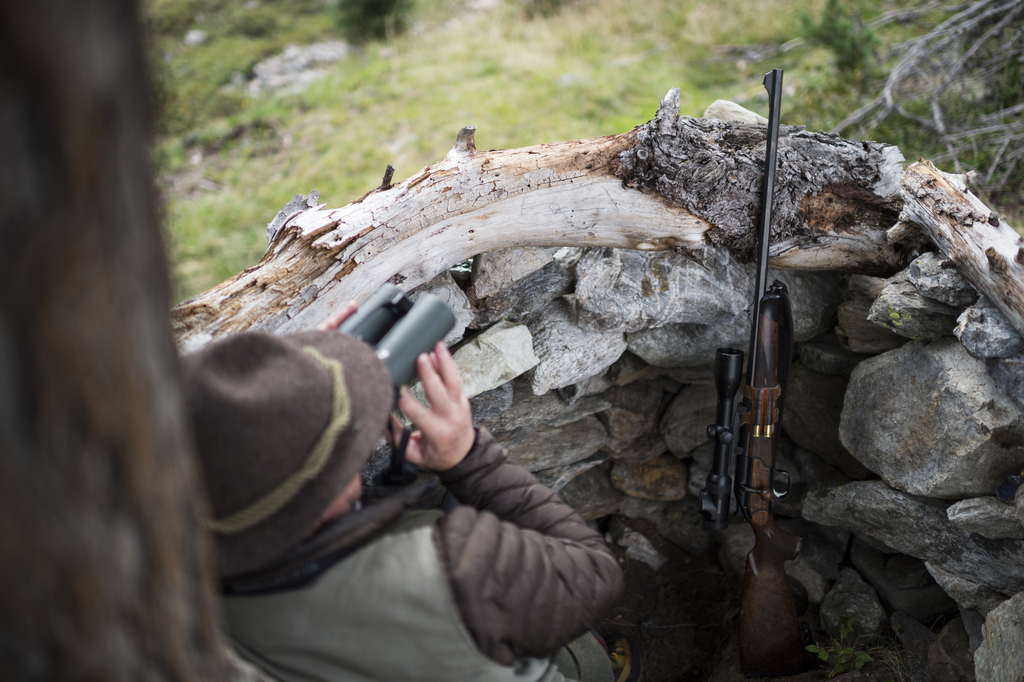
(773, 84)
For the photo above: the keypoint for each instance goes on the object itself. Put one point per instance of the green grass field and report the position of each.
(227, 162)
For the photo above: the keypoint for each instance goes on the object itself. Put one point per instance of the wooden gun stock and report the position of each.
(771, 642)
(769, 633)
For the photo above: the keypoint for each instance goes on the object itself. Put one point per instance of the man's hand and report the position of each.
(335, 320)
(444, 432)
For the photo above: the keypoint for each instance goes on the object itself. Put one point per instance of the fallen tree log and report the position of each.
(985, 249)
(673, 183)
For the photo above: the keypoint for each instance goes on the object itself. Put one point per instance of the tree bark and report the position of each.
(984, 247)
(105, 573)
(674, 183)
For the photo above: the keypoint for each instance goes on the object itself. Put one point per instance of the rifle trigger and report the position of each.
(789, 484)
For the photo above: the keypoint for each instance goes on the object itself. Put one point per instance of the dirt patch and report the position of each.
(683, 618)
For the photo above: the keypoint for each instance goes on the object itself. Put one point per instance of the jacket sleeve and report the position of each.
(527, 574)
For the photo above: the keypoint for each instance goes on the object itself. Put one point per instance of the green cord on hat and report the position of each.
(267, 505)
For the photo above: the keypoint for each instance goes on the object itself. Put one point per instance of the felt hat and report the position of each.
(281, 425)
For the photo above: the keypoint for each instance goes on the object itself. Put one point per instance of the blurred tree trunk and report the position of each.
(105, 570)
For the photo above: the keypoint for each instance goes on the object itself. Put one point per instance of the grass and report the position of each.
(228, 162)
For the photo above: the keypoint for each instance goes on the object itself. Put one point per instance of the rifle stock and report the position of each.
(769, 633)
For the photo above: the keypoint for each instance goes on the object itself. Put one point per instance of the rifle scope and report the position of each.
(718, 489)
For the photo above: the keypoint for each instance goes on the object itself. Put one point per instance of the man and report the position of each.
(319, 587)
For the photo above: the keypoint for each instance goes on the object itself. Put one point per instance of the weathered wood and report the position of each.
(674, 183)
(986, 250)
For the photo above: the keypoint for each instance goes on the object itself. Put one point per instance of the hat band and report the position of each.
(263, 508)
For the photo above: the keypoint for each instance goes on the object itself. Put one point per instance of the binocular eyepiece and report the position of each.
(399, 328)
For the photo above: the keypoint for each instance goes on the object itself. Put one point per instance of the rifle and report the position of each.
(771, 639)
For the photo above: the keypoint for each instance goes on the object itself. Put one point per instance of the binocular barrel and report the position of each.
(377, 315)
(399, 328)
(426, 323)
(717, 490)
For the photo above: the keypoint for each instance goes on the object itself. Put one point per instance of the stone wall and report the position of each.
(904, 411)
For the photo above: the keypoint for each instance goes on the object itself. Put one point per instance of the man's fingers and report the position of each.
(448, 370)
(433, 386)
(418, 413)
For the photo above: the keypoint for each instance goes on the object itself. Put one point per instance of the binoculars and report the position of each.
(399, 328)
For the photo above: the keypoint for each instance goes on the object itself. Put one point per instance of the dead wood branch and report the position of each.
(985, 249)
(674, 183)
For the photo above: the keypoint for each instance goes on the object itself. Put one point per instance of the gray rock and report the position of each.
(919, 527)
(445, 288)
(968, 594)
(568, 353)
(684, 425)
(1001, 654)
(528, 409)
(634, 413)
(734, 544)
(931, 421)
(678, 522)
(559, 477)
(815, 472)
(662, 478)
(724, 110)
(688, 345)
(823, 548)
(944, 284)
(592, 494)
(1008, 375)
(627, 290)
(528, 295)
(973, 623)
(629, 368)
(851, 597)
(495, 357)
(696, 374)
(815, 297)
(824, 354)
(988, 517)
(906, 312)
(498, 269)
(949, 656)
(916, 640)
(296, 67)
(855, 332)
(492, 403)
(902, 583)
(638, 547)
(642, 450)
(554, 446)
(195, 37)
(985, 332)
(812, 406)
(1018, 503)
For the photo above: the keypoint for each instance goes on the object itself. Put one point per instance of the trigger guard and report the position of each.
(789, 484)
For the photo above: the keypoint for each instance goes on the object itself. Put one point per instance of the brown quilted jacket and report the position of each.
(528, 575)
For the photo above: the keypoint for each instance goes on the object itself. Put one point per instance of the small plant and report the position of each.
(843, 653)
(852, 44)
(363, 20)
